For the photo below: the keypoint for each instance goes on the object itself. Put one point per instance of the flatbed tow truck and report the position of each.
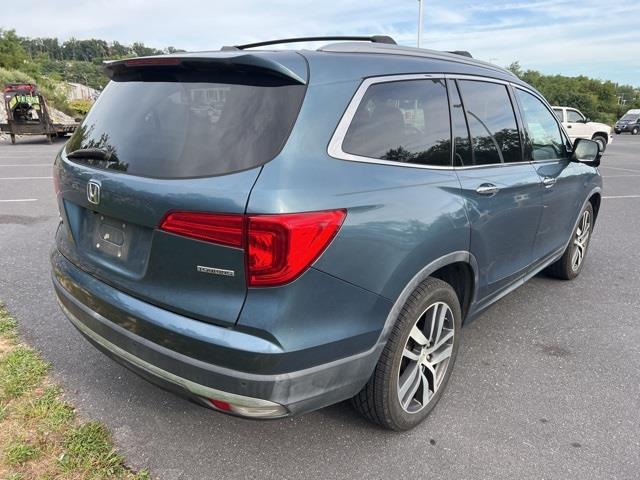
(27, 114)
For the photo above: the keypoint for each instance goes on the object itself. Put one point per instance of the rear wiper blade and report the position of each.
(94, 154)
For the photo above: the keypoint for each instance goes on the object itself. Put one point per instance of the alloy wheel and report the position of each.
(425, 357)
(581, 240)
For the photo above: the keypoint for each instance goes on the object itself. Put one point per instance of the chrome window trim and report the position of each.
(334, 149)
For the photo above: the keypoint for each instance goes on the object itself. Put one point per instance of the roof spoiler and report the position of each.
(188, 62)
(462, 53)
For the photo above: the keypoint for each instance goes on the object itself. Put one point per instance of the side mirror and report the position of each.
(587, 120)
(586, 151)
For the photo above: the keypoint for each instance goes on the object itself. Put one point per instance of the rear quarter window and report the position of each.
(402, 121)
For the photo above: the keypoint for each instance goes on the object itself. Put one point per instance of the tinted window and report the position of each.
(543, 132)
(492, 123)
(573, 116)
(558, 113)
(461, 141)
(630, 117)
(183, 126)
(404, 122)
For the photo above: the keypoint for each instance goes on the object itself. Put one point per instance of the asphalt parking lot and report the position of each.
(546, 386)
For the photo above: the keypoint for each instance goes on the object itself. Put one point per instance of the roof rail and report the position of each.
(373, 39)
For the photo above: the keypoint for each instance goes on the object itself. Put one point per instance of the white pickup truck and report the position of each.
(578, 126)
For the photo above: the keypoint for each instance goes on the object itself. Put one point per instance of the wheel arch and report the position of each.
(445, 266)
(595, 200)
(460, 276)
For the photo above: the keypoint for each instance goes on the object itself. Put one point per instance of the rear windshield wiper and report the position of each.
(94, 154)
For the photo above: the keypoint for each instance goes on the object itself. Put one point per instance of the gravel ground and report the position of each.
(547, 383)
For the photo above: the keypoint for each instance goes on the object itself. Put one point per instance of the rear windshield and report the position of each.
(182, 126)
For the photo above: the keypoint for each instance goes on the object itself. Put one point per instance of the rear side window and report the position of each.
(558, 113)
(492, 122)
(405, 121)
(543, 132)
(186, 126)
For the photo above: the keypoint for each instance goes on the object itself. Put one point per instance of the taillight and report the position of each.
(281, 247)
(278, 248)
(210, 227)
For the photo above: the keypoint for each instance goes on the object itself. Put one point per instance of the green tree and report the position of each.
(597, 99)
(12, 54)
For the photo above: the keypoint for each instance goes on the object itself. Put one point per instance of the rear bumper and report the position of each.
(88, 303)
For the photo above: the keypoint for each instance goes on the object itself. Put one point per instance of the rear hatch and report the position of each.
(174, 134)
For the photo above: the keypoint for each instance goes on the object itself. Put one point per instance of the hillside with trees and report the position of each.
(49, 62)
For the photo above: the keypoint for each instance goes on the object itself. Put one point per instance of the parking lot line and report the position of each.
(27, 165)
(26, 178)
(622, 196)
(30, 155)
(618, 168)
(12, 200)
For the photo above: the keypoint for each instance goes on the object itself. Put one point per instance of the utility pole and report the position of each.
(419, 21)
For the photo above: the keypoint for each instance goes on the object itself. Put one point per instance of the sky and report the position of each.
(598, 38)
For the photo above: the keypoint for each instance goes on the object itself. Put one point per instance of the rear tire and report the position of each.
(570, 264)
(601, 141)
(417, 361)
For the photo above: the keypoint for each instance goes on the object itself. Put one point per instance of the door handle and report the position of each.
(549, 181)
(568, 126)
(487, 189)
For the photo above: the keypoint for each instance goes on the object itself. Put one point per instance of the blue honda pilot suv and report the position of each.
(272, 231)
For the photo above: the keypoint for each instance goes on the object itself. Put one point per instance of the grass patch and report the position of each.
(21, 369)
(48, 410)
(8, 325)
(15, 476)
(19, 451)
(40, 435)
(89, 449)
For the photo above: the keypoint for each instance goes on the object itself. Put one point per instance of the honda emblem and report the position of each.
(93, 192)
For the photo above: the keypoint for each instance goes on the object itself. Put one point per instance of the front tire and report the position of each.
(570, 264)
(417, 361)
(635, 131)
(601, 141)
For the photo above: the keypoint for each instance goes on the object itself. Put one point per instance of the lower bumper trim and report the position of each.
(246, 406)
